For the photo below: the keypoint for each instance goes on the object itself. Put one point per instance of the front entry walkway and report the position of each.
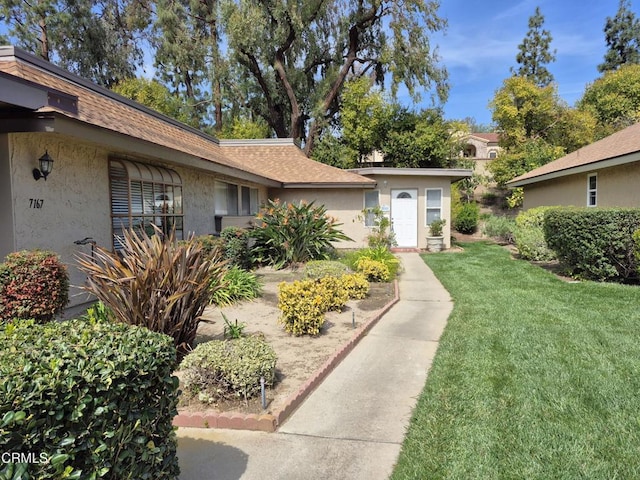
(352, 426)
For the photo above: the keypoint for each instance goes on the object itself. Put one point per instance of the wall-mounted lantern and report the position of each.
(46, 165)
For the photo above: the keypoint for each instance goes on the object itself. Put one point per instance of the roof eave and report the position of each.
(589, 167)
(119, 143)
(454, 174)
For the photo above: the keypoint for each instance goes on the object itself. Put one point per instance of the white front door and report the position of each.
(404, 216)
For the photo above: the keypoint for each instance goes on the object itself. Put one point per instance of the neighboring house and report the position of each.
(118, 164)
(603, 174)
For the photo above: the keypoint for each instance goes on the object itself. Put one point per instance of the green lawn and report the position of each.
(535, 378)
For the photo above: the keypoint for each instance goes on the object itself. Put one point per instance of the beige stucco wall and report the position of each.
(347, 204)
(76, 199)
(617, 187)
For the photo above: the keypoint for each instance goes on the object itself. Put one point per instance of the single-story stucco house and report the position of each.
(605, 173)
(118, 164)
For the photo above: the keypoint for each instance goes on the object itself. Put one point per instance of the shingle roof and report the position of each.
(490, 137)
(286, 163)
(100, 107)
(614, 146)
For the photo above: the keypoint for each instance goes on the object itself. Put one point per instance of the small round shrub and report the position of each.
(336, 294)
(33, 284)
(466, 219)
(356, 285)
(236, 246)
(303, 304)
(316, 269)
(374, 270)
(229, 369)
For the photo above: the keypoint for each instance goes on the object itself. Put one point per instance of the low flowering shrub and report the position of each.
(356, 285)
(236, 246)
(98, 398)
(303, 304)
(33, 285)
(229, 369)
(374, 270)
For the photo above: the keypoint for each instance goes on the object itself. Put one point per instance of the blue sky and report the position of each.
(482, 38)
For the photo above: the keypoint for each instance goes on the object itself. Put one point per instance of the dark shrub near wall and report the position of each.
(592, 243)
(33, 284)
(93, 399)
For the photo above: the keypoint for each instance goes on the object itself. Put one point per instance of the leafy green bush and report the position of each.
(500, 227)
(228, 369)
(530, 235)
(380, 233)
(303, 304)
(436, 227)
(466, 218)
(155, 282)
(210, 244)
(236, 246)
(316, 269)
(594, 243)
(97, 398)
(33, 284)
(236, 285)
(289, 233)
(374, 270)
(379, 254)
(356, 285)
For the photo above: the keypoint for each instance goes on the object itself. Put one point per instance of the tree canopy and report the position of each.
(96, 40)
(614, 99)
(622, 35)
(535, 53)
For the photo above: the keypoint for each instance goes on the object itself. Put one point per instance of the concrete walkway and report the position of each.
(352, 426)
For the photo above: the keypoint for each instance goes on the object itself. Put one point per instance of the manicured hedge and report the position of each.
(94, 399)
(594, 243)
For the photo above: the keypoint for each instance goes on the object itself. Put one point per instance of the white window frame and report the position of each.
(369, 219)
(592, 192)
(428, 208)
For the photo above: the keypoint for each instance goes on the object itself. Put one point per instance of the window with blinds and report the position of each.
(142, 196)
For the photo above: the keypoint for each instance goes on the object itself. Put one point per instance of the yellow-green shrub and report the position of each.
(356, 285)
(303, 304)
(374, 270)
(335, 292)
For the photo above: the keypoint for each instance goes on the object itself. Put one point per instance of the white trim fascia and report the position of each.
(329, 185)
(418, 172)
(257, 142)
(589, 167)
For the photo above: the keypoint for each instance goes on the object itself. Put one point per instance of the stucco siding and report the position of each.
(73, 203)
(616, 187)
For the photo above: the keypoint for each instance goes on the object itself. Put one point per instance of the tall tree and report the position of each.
(187, 37)
(97, 40)
(535, 53)
(614, 99)
(622, 34)
(296, 56)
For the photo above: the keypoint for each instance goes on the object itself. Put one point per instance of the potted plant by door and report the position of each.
(435, 241)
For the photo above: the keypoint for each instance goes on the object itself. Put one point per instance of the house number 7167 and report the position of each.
(36, 202)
